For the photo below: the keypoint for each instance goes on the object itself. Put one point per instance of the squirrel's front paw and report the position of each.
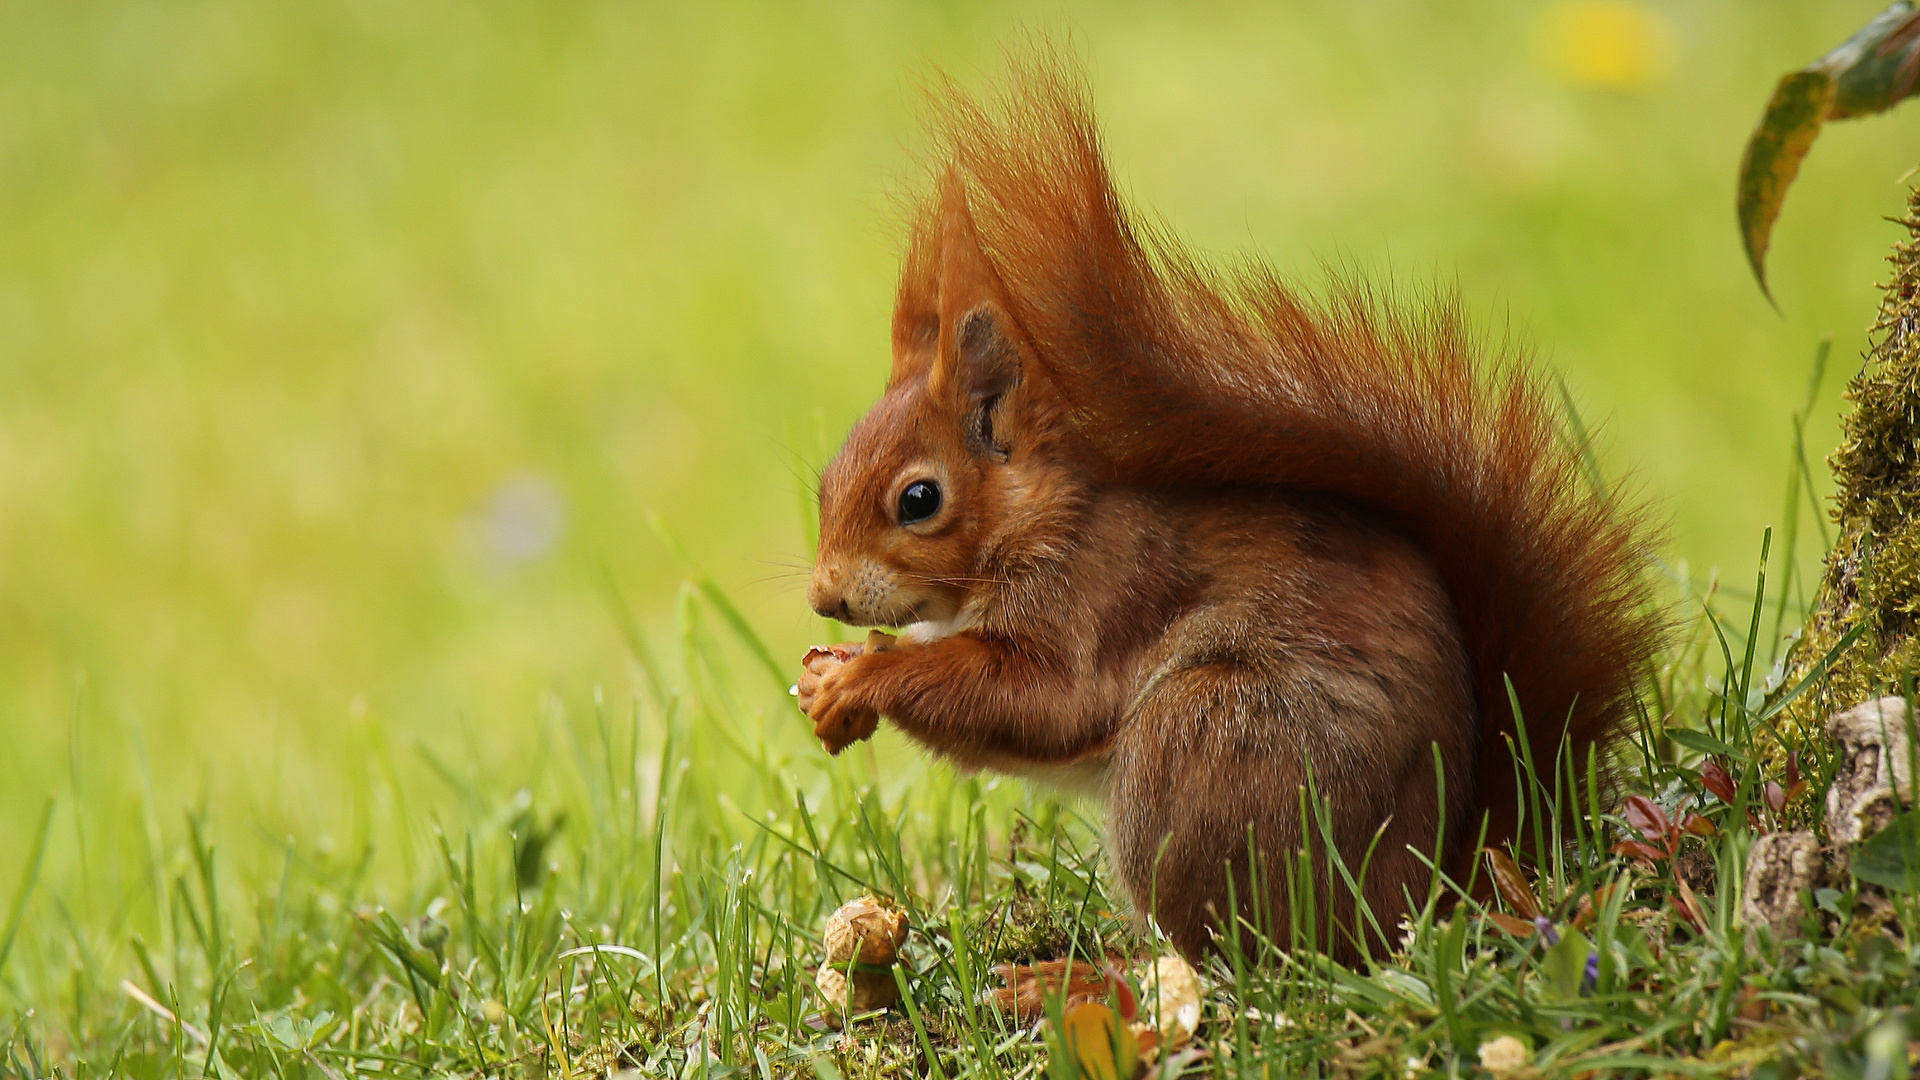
(839, 726)
(820, 661)
(828, 696)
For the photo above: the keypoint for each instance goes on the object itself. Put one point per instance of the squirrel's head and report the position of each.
(966, 472)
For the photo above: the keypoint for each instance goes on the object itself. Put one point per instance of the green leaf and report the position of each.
(1786, 132)
(1565, 965)
(1448, 954)
(1871, 71)
(1891, 857)
(1874, 70)
(1706, 744)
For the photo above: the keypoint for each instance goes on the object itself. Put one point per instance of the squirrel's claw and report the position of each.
(842, 727)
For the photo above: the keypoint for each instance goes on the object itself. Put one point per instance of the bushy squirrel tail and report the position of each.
(1180, 374)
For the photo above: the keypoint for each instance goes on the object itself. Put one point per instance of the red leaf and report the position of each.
(1644, 815)
(1697, 825)
(1689, 904)
(1797, 789)
(1715, 777)
(1776, 796)
(1513, 885)
(1638, 850)
(1793, 774)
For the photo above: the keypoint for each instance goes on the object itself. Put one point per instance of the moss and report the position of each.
(1873, 572)
(1023, 930)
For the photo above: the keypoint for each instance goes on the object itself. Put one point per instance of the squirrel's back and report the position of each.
(1178, 374)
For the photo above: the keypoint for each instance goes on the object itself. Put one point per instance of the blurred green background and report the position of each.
(343, 344)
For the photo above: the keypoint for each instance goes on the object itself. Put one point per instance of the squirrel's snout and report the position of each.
(826, 600)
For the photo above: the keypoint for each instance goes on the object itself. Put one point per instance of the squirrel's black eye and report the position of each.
(919, 502)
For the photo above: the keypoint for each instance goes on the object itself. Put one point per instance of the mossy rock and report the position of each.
(1872, 576)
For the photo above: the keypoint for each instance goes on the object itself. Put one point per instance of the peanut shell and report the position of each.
(869, 932)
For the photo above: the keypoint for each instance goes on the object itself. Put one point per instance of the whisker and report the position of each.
(788, 559)
(798, 568)
(794, 458)
(785, 578)
(929, 579)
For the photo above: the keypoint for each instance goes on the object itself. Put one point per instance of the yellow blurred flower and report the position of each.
(1621, 44)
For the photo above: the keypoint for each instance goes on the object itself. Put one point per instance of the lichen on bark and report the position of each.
(1872, 575)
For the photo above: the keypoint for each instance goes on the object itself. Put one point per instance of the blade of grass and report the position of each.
(17, 909)
(717, 599)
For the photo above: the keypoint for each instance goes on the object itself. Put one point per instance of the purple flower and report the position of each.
(1547, 932)
(1593, 972)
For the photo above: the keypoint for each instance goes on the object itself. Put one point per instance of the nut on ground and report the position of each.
(863, 940)
(1172, 991)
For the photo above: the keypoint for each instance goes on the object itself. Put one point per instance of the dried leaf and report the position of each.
(1689, 905)
(1028, 987)
(1590, 906)
(1697, 825)
(1122, 994)
(1520, 928)
(1099, 1042)
(1513, 885)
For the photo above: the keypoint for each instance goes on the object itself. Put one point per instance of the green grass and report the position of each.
(346, 349)
(645, 893)
(648, 893)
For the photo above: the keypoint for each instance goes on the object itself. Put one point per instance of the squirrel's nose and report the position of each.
(827, 601)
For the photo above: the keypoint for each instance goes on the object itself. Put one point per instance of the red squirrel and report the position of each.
(1200, 541)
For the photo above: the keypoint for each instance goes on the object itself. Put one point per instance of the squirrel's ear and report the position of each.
(978, 360)
(987, 369)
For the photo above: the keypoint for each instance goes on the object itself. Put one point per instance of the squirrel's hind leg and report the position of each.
(1209, 800)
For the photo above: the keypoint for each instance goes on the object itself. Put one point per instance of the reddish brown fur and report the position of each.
(1202, 535)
